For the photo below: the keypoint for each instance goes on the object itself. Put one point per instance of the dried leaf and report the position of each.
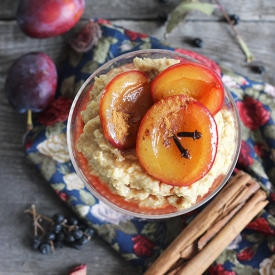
(181, 11)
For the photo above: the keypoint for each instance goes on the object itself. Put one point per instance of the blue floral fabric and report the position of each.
(140, 241)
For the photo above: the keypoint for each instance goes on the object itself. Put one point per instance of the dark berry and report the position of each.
(58, 218)
(45, 248)
(31, 82)
(77, 234)
(198, 42)
(89, 232)
(162, 16)
(258, 69)
(50, 236)
(72, 221)
(235, 19)
(57, 227)
(83, 240)
(69, 237)
(60, 236)
(58, 244)
(35, 243)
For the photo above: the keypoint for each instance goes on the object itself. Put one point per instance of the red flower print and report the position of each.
(245, 159)
(219, 270)
(142, 246)
(261, 225)
(28, 143)
(259, 149)
(206, 61)
(135, 35)
(252, 113)
(63, 196)
(58, 111)
(246, 254)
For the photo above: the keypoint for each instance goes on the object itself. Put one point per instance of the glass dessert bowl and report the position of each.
(154, 134)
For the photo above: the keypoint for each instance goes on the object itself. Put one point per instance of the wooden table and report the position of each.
(21, 183)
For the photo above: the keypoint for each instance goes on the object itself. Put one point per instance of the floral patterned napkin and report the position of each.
(141, 241)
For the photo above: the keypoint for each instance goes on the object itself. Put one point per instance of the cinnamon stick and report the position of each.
(252, 187)
(216, 215)
(198, 264)
(199, 225)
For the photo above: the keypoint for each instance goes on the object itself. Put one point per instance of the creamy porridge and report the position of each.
(121, 170)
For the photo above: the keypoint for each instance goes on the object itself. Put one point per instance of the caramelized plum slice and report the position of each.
(123, 104)
(164, 154)
(191, 79)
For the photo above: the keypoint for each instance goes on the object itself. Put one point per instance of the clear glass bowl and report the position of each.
(99, 189)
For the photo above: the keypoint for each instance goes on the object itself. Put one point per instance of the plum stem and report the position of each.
(29, 120)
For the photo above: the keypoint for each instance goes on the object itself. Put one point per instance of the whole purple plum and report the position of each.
(31, 82)
(47, 18)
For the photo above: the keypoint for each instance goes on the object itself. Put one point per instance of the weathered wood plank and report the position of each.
(143, 9)
(219, 43)
(21, 184)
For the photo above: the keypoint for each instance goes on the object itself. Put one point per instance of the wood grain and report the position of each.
(21, 183)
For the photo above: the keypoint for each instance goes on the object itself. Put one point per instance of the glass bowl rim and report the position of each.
(102, 198)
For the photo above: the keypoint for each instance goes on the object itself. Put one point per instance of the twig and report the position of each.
(249, 56)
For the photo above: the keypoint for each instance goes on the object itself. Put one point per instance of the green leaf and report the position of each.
(107, 232)
(181, 11)
(87, 198)
(258, 169)
(67, 87)
(227, 255)
(149, 228)
(255, 238)
(47, 164)
(127, 228)
(55, 129)
(129, 256)
(269, 131)
(115, 246)
(75, 58)
(271, 220)
(90, 67)
(58, 186)
(102, 49)
(82, 210)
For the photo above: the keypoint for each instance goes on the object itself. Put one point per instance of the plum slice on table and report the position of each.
(191, 79)
(123, 104)
(177, 140)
